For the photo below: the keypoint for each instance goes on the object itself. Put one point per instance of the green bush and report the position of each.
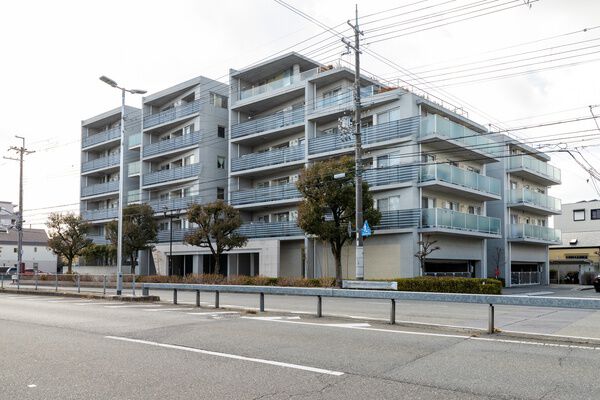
(214, 279)
(449, 285)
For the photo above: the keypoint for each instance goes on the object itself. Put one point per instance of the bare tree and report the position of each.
(426, 247)
(498, 257)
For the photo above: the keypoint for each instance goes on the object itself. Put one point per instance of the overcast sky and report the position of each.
(54, 51)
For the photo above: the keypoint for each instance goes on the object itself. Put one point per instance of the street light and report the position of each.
(112, 83)
(170, 262)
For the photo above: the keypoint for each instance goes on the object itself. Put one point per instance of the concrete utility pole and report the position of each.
(360, 268)
(22, 152)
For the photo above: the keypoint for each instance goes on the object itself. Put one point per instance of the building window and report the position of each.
(220, 162)
(389, 204)
(220, 193)
(14, 250)
(221, 131)
(188, 129)
(595, 214)
(578, 215)
(282, 217)
(218, 100)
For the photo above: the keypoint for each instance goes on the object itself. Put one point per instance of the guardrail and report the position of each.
(78, 281)
(393, 296)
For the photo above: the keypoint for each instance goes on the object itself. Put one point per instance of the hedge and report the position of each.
(214, 279)
(449, 285)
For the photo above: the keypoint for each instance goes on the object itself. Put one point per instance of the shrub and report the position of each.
(449, 285)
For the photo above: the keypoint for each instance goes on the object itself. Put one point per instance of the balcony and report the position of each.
(277, 85)
(179, 204)
(172, 114)
(534, 234)
(270, 229)
(101, 163)
(94, 215)
(451, 179)
(533, 169)
(399, 219)
(187, 172)
(98, 239)
(173, 144)
(394, 130)
(528, 200)
(277, 121)
(96, 138)
(266, 194)
(449, 221)
(396, 174)
(445, 135)
(100, 188)
(267, 158)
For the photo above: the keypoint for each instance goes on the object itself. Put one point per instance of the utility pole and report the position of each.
(22, 152)
(360, 267)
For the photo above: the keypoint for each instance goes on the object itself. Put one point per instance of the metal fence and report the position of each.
(103, 284)
(525, 278)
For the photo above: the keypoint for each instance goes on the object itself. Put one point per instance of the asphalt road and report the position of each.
(64, 348)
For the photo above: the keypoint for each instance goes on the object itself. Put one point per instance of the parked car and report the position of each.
(596, 283)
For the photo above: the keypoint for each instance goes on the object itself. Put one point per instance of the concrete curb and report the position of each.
(134, 299)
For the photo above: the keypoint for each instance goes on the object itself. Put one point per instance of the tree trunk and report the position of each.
(132, 264)
(70, 267)
(217, 263)
(337, 255)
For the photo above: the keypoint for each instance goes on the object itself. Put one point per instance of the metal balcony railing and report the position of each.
(535, 232)
(172, 144)
(111, 134)
(273, 157)
(100, 188)
(373, 134)
(98, 239)
(437, 125)
(525, 278)
(535, 166)
(391, 175)
(266, 194)
(449, 219)
(188, 171)
(457, 176)
(280, 119)
(102, 162)
(278, 84)
(179, 204)
(399, 219)
(270, 229)
(105, 213)
(172, 114)
(529, 197)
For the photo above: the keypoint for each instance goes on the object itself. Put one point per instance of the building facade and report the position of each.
(36, 253)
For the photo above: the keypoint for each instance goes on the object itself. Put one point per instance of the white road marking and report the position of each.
(132, 306)
(214, 313)
(226, 355)
(31, 386)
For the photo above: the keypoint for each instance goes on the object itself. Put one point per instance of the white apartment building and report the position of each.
(36, 253)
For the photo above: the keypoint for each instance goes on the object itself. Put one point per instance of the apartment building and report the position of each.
(521, 255)
(426, 165)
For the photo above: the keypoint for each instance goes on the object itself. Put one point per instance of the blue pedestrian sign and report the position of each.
(366, 230)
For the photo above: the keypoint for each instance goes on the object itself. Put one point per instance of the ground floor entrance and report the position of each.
(525, 274)
(460, 268)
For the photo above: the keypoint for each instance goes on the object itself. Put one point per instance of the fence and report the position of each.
(77, 281)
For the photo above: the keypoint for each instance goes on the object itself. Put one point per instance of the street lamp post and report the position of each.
(170, 262)
(112, 83)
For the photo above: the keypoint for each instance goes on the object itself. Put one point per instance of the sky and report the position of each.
(54, 52)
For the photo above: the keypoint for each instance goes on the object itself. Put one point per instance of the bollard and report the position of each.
(197, 298)
(393, 312)
(78, 284)
(491, 328)
(133, 285)
(319, 306)
(56, 282)
(174, 296)
(217, 299)
(104, 285)
(262, 302)
(36, 280)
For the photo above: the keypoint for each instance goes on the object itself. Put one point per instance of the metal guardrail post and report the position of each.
(145, 291)
(133, 285)
(78, 284)
(393, 312)
(2, 281)
(56, 282)
(217, 299)
(104, 285)
(174, 296)
(491, 319)
(36, 280)
(197, 298)
(262, 302)
(319, 306)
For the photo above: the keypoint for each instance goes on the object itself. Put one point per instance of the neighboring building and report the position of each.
(7, 217)
(579, 251)
(525, 177)
(36, 254)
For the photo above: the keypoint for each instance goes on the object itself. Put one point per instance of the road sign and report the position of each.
(366, 229)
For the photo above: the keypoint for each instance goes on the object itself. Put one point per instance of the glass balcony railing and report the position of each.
(391, 175)
(437, 125)
(134, 196)
(277, 84)
(96, 138)
(346, 97)
(135, 139)
(188, 171)
(457, 176)
(535, 166)
(278, 120)
(529, 197)
(134, 168)
(102, 162)
(267, 158)
(172, 114)
(105, 213)
(449, 219)
(402, 128)
(100, 188)
(399, 219)
(266, 194)
(172, 144)
(535, 232)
